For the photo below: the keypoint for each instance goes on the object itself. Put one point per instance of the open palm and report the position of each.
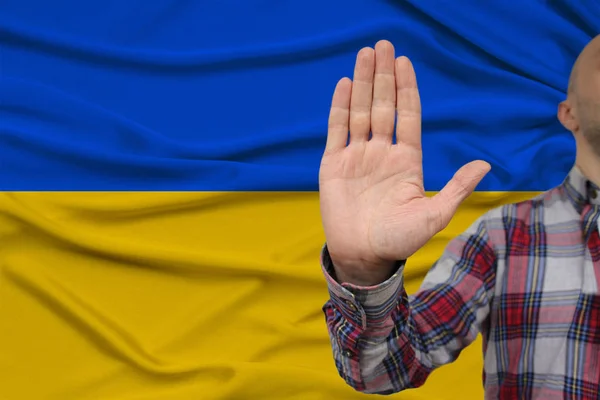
(373, 202)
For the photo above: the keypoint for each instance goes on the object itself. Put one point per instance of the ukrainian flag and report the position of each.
(159, 225)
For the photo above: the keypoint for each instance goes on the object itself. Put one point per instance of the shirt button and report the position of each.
(348, 353)
(593, 193)
(350, 305)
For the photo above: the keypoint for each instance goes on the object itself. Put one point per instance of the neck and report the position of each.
(588, 162)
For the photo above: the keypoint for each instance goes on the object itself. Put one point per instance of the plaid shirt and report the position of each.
(525, 276)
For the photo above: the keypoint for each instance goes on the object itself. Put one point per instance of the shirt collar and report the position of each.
(580, 190)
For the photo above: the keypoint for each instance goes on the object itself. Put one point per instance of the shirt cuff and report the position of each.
(363, 306)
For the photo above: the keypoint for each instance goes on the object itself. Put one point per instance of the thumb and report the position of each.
(462, 184)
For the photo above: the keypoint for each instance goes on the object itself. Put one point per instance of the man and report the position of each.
(526, 276)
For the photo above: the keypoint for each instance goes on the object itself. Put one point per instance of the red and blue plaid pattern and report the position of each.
(526, 276)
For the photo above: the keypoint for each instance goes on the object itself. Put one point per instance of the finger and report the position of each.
(362, 95)
(337, 130)
(384, 92)
(462, 184)
(408, 104)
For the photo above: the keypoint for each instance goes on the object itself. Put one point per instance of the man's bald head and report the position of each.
(588, 61)
(580, 113)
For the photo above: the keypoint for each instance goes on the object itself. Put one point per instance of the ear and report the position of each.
(566, 116)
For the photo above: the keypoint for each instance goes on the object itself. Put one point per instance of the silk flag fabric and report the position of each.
(159, 220)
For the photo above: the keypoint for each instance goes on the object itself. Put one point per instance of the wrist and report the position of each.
(362, 274)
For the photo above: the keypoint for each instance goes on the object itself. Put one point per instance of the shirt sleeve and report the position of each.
(385, 341)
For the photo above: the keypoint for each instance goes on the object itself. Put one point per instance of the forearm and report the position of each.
(363, 323)
(363, 353)
(384, 340)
